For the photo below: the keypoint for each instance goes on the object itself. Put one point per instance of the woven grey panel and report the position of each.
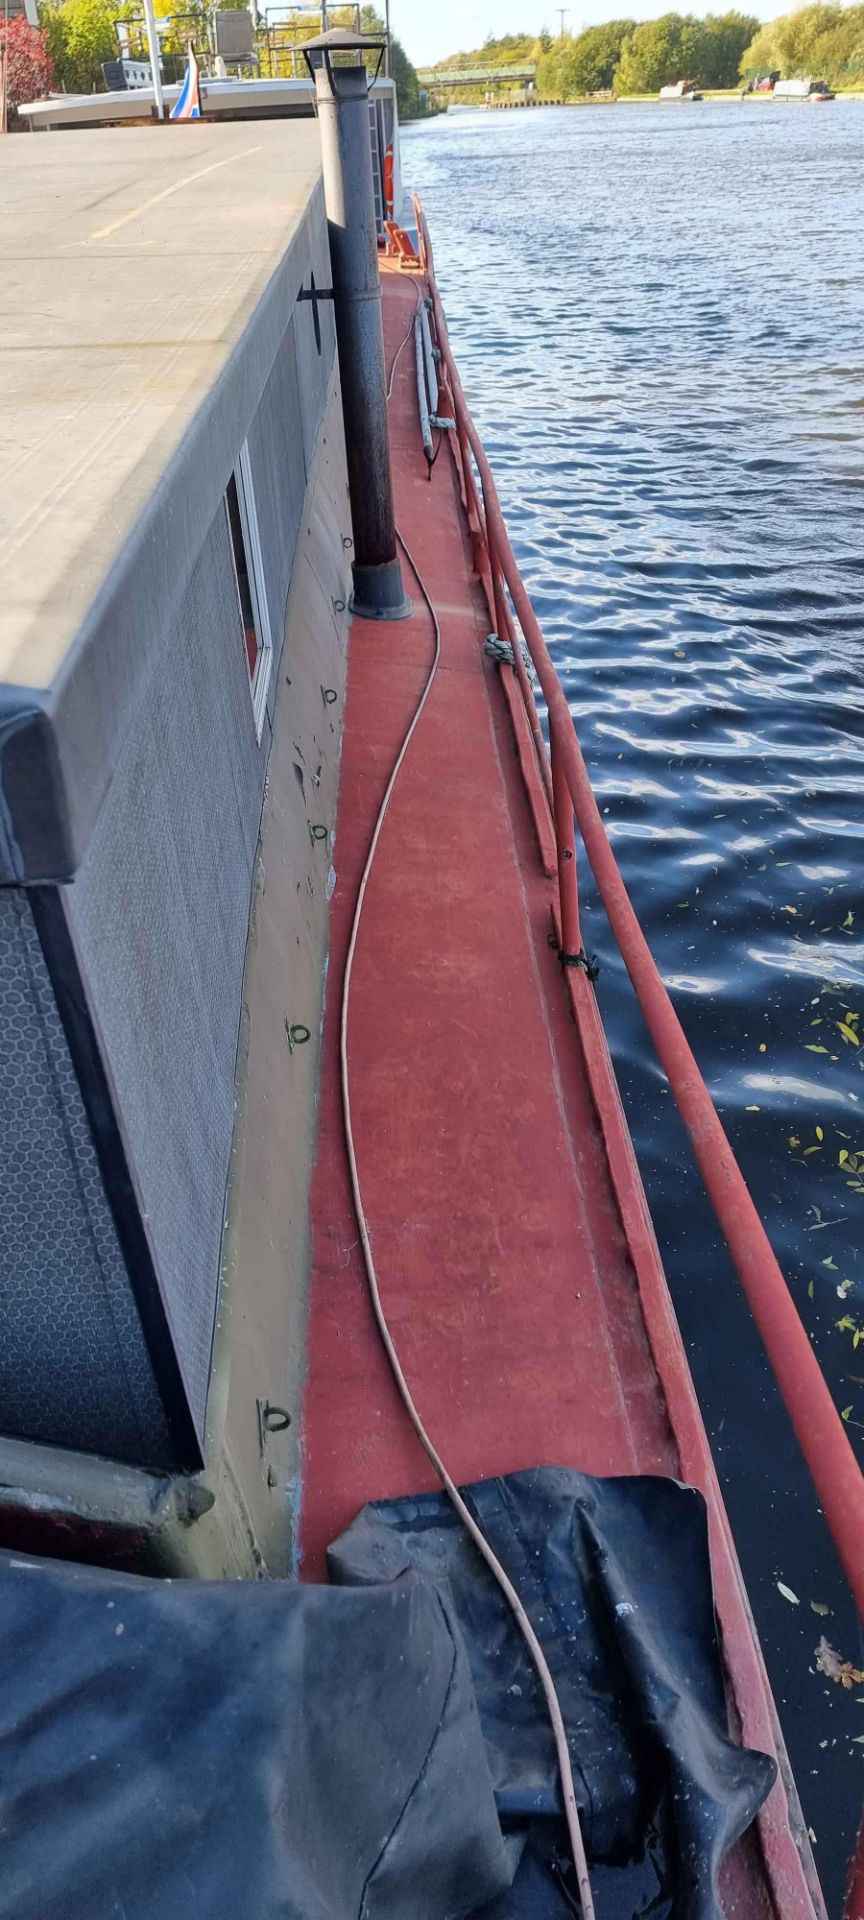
(74, 1369)
(159, 910)
(279, 479)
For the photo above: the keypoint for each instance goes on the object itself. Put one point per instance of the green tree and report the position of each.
(824, 41)
(677, 46)
(839, 55)
(807, 33)
(194, 24)
(763, 54)
(507, 51)
(585, 64)
(725, 36)
(404, 75)
(407, 83)
(79, 35)
(660, 52)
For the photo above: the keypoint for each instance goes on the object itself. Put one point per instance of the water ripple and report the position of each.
(658, 320)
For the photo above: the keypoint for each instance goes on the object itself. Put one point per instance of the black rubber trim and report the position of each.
(55, 939)
(35, 831)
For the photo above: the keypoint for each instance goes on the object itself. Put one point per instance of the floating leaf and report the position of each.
(810, 1289)
(819, 1134)
(842, 1156)
(808, 1150)
(829, 1662)
(788, 1594)
(830, 1262)
(849, 920)
(818, 1606)
(793, 1140)
(843, 1289)
(810, 1048)
(790, 909)
(752, 1109)
(762, 1047)
(846, 1325)
(845, 1412)
(849, 1034)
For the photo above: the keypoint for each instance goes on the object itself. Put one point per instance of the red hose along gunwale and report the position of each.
(454, 978)
(824, 1442)
(818, 1427)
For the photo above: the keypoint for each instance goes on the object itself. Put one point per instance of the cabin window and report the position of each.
(249, 580)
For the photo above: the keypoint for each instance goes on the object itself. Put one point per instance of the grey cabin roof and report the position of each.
(132, 262)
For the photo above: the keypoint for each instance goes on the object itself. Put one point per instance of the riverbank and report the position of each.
(731, 94)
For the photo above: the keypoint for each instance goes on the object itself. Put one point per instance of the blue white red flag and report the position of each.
(188, 106)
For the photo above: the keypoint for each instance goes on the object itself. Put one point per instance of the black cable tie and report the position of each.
(590, 964)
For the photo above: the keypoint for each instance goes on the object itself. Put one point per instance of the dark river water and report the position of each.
(659, 319)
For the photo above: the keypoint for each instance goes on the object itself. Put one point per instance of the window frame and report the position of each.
(259, 681)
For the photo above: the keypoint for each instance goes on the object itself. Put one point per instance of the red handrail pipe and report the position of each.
(568, 888)
(820, 1432)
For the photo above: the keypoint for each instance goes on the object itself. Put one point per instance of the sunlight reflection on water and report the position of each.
(658, 317)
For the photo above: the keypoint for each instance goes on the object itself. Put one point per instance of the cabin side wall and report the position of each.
(74, 1368)
(158, 913)
(237, 1517)
(260, 1351)
(159, 907)
(155, 926)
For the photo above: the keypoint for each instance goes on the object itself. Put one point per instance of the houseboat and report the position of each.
(814, 91)
(680, 90)
(362, 1549)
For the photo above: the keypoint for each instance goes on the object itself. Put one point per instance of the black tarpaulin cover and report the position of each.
(170, 1750)
(615, 1575)
(236, 1751)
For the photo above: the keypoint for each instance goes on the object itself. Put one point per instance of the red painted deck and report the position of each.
(520, 1276)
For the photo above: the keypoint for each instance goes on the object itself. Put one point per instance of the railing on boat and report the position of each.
(820, 1432)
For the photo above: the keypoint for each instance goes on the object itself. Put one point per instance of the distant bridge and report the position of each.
(443, 79)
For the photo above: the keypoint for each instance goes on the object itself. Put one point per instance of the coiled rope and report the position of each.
(538, 1657)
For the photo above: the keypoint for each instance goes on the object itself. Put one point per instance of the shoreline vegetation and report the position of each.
(75, 39)
(616, 61)
(627, 61)
(734, 95)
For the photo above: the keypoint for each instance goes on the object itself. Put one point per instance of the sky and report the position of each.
(430, 29)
